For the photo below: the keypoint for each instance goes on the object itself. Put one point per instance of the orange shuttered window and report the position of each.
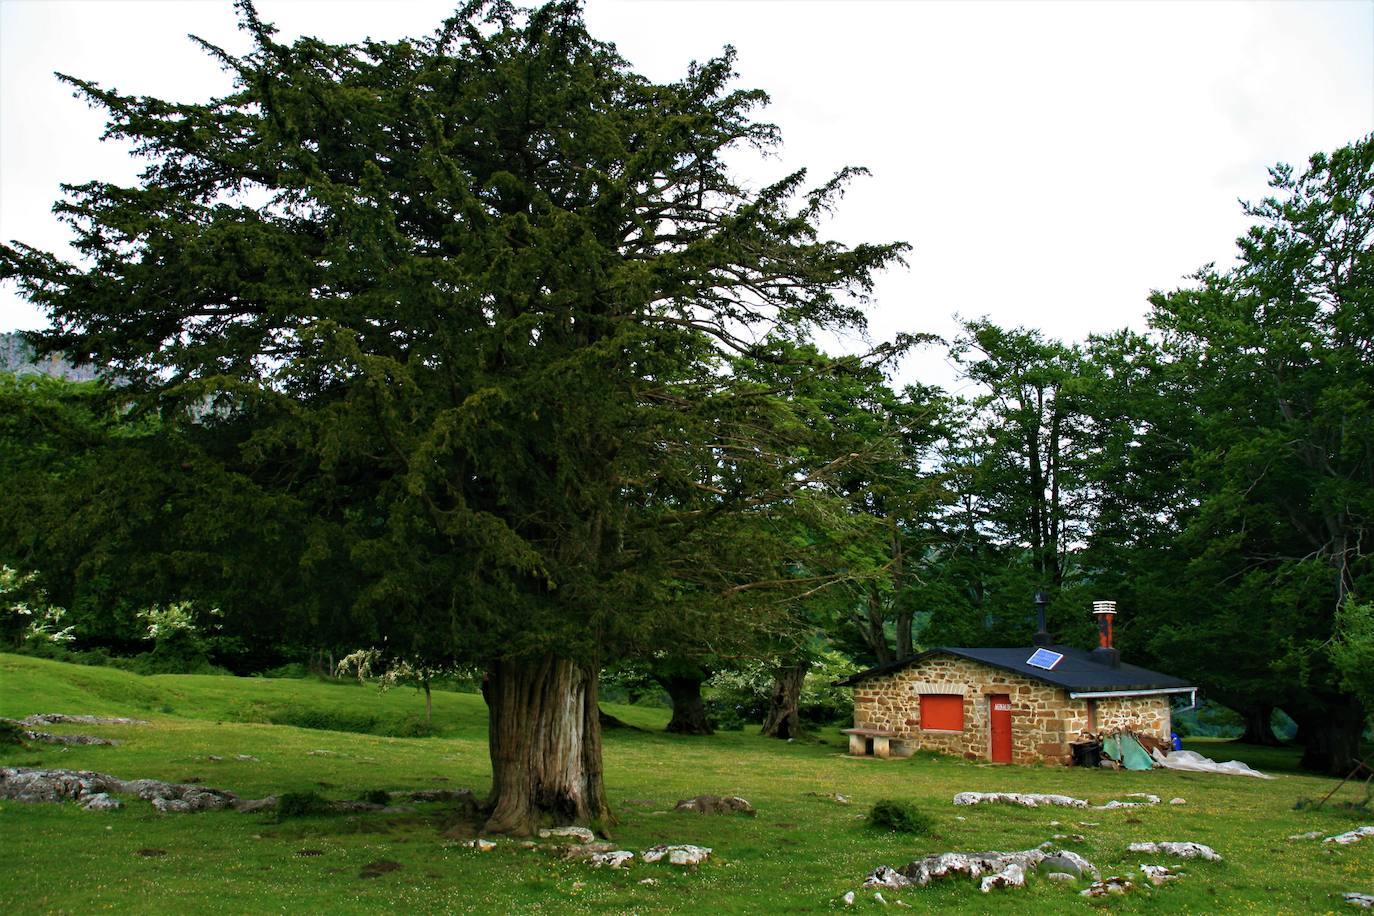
(942, 711)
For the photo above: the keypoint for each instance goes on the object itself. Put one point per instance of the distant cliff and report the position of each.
(18, 357)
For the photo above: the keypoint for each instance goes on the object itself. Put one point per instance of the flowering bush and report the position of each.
(29, 616)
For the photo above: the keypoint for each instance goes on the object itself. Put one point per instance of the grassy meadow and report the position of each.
(800, 854)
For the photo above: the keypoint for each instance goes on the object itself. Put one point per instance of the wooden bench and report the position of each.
(863, 741)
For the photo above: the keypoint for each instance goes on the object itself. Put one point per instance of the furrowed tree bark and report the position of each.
(545, 740)
(784, 719)
(1257, 727)
(1331, 735)
(689, 709)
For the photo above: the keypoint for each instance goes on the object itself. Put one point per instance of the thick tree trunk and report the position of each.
(872, 626)
(784, 720)
(545, 742)
(905, 644)
(689, 709)
(1331, 736)
(1257, 727)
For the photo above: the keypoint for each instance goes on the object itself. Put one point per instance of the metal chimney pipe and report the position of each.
(1105, 652)
(1042, 635)
(1104, 611)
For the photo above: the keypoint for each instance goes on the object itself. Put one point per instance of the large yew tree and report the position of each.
(467, 300)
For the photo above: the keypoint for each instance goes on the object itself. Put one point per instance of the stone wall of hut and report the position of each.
(1044, 720)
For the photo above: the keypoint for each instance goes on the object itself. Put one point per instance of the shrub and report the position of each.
(724, 717)
(747, 690)
(324, 720)
(899, 817)
(301, 804)
(409, 727)
(295, 670)
(11, 733)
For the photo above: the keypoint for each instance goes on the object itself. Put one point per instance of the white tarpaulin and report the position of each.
(1191, 760)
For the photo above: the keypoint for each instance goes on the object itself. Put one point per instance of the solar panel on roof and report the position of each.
(1044, 658)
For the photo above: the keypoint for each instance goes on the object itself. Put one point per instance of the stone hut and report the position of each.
(1017, 705)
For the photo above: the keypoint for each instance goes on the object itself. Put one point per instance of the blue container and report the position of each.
(1178, 743)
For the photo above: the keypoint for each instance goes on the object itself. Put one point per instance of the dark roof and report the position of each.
(1077, 672)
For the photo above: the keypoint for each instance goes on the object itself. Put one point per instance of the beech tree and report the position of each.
(1278, 360)
(467, 299)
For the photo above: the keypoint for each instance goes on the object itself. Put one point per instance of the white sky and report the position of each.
(1050, 162)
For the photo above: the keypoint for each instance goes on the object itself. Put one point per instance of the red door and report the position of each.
(1000, 705)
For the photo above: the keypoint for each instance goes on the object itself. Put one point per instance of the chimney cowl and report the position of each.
(1105, 653)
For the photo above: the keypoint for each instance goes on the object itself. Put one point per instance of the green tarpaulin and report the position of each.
(1127, 751)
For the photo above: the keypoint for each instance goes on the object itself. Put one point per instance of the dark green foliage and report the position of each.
(1275, 358)
(301, 804)
(725, 716)
(325, 720)
(437, 344)
(408, 727)
(900, 817)
(11, 734)
(289, 670)
(429, 392)
(376, 797)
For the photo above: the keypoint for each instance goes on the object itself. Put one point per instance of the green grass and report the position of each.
(800, 854)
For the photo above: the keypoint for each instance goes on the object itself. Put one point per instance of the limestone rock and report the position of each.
(582, 851)
(1017, 798)
(57, 718)
(885, 876)
(49, 738)
(972, 865)
(1309, 835)
(1353, 836)
(1059, 876)
(481, 845)
(1147, 799)
(1011, 876)
(848, 898)
(1182, 850)
(715, 804)
(1062, 865)
(1107, 886)
(581, 834)
(171, 805)
(1178, 801)
(1365, 901)
(254, 805)
(1159, 874)
(101, 802)
(40, 785)
(619, 858)
(684, 854)
(879, 899)
(436, 795)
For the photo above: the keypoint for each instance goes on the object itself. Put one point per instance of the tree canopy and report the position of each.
(464, 307)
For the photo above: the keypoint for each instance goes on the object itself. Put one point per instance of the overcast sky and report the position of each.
(1051, 163)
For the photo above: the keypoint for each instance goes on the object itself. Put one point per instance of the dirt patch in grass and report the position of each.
(379, 868)
(309, 853)
(151, 853)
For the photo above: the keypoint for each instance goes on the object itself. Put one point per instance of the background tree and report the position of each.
(456, 298)
(1279, 359)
